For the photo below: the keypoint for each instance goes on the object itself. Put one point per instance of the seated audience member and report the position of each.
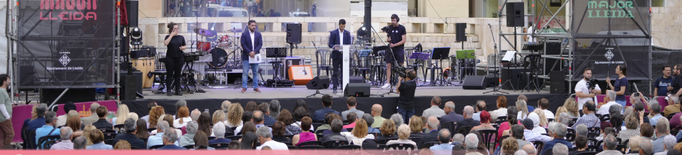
(48, 129)
(458, 139)
(403, 136)
(530, 135)
(97, 138)
(201, 141)
(74, 122)
(169, 140)
(248, 141)
(246, 117)
(299, 113)
(102, 123)
(265, 108)
(275, 109)
(480, 106)
(234, 115)
(501, 108)
(121, 114)
(141, 129)
(158, 138)
(560, 149)
(376, 113)
(416, 128)
(93, 114)
(397, 119)
(150, 105)
(351, 102)
(122, 145)
(559, 132)
(183, 118)
(522, 106)
(327, 103)
(432, 127)
(588, 118)
(278, 132)
(484, 116)
(65, 143)
(669, 142)
(68, 106)
(543, 104)
(529, 149)
(327, 120)
(188, 139)
(602, 131)
(444, 147)
(645, 147)
(654, 112)
(289, 127)
(359, 133)
(336, 135)
(673, 107)
(468, 120)
(155, 115)
(509, 146)
(471, 143)
(434, 110)
(259, 119)
(129, 136)
(370, 120)
(388, 131)
(451, 115)
(580, 145)
(511, 120)
(610, 144)
(251, 106)
(234, 145)
(352, 119)
(204, 123)
(265, 137)
(39, 120)
(662, 130)
(306, 135)
(219, 132)
(572, 107)
(535, 119)
(632, 125)
(517, 132)
(86, 133)
(79, 143)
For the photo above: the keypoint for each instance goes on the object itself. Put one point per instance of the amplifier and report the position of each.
(290, 61)
(300, 74)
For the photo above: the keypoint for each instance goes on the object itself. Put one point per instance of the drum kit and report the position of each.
(220, 58)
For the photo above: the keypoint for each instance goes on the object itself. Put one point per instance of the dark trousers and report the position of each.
(336, 70)
(173, 72)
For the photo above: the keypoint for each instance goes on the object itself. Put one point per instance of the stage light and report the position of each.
(136, 36)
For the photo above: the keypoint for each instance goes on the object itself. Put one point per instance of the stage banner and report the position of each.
(23, 112)
(609, 33)
(65, 44)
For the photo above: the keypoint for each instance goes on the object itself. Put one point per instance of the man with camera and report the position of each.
(406, 87)
(397, 38)
(586, 89)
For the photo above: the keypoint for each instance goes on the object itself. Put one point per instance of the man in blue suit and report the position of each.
(251, 42)
(338, 37)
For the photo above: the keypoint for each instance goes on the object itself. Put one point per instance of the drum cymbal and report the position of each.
(203, 32)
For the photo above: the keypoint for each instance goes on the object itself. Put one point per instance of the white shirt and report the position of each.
(341, 37)
(582, 87)
(605, 108)
(530, 37)
(274, 145)
(177, 124)
(548, 114)
(356, 140)
(253, 41)
(497, 113)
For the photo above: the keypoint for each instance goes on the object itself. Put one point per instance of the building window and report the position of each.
(658, 3)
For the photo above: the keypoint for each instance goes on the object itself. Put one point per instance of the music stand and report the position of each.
(438, 54)
(276, 53)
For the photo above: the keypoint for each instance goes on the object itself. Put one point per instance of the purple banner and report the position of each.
(23, 112)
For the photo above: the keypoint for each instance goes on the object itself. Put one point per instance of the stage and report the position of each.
(288, 96)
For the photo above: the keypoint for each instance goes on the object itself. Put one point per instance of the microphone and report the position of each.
(490, 25)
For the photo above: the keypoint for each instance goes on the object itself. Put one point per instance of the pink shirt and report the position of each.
(352, 125)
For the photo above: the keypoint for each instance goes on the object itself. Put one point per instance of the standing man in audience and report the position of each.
(434, 110)
(65, 143)
(480, 106)
(6, 129)
(543, 104)
(407, 87)
(588, 118)
(265, 138)
(251, 42)
(559, 133)
(327, 103)
(677, 81)
(130, 126)
(351, 103)
(265, 108)
(583, 90)
(397, 37)
(451, 116)
(102, 123)
(662, 83)
(468, 121)
(610, 99)
(376, 112)
(48, 129)
(93, 115)
(338, 37)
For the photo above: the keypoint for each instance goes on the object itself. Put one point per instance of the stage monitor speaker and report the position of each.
(461, 32)
(474, 82)
(300, 74)
(294, 33)
(73, 95)
(556, 82)
(132, 7)
(355, 79)
(357, 90)
(320, 82)
(515, 15)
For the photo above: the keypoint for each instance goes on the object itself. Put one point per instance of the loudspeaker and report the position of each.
(132, 8)
(27, 76)
(355, 79)
(474, 82)
(461, 30)
(320, 82)
(294, 33)
(128, 84)
(515, 14)
(300, 74)
(556, 82)
(73, 95)
(357, 90)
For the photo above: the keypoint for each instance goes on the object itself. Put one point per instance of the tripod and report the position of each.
(496, 89)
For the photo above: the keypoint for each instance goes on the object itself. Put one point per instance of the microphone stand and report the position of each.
(390, 91)
(496, 89)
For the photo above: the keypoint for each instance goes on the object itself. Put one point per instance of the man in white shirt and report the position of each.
(434, 110)
(610, 99)
(265, 138)
(583, 90)
(543, 104)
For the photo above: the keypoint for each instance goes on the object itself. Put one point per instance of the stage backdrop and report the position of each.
(23, 112)
(65, 43)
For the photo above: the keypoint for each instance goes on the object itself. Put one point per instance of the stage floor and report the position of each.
(229, 92)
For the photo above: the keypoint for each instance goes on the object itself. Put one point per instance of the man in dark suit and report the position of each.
(432, 136)
(130, 126)
(451, 115)
(327, 103)
(102, 123)
(251, 42)
(468, 120)
(338, 37)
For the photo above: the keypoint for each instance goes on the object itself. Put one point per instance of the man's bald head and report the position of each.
(433, 123)
(257, 117)
(377, 109)
(480, 105)
(195, 114)
(529, 148)
(522, 97)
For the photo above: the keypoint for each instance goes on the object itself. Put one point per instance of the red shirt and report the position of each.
(352, 125)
